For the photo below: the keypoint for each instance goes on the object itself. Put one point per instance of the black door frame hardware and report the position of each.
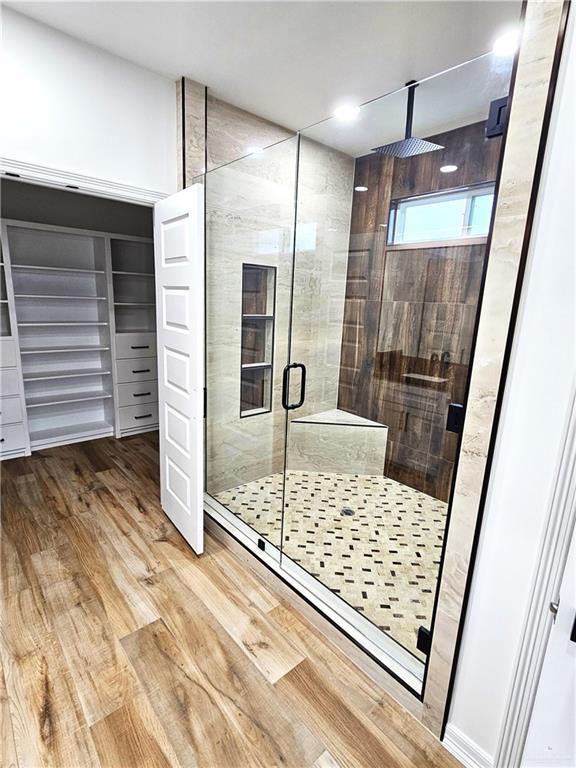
(424, 640)
(455, 420)
(497, 117)
(286, 385)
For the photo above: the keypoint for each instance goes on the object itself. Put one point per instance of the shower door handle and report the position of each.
(286, 386)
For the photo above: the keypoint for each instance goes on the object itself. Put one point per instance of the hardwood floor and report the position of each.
(121, 648)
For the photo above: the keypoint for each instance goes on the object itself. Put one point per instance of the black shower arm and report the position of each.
(412, 85)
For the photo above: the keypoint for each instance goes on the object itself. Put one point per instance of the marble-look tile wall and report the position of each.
(250, 219)
(324, 207)
(191, 129)
(540, 35)
(232, 132)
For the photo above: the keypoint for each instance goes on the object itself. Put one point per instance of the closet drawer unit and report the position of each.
(12, 438)
(135, 345)
(7, 353)
(139, 369)
(137, 393)
(143, 415)
(9, 382)
(10, 410)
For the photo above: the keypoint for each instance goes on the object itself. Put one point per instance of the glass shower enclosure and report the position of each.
(343, 282)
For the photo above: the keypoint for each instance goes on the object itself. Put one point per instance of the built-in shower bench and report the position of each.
(337, 441)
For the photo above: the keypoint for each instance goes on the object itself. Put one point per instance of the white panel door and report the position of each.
(179, 254)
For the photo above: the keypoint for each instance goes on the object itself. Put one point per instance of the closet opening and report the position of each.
(78, 319)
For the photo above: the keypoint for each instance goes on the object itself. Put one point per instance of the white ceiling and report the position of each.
(291, 62)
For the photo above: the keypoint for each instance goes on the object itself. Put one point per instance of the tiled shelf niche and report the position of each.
(257, 357)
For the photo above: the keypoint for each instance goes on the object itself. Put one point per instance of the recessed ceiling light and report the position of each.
(506, 44)
(361, 189)
(254, 150)
(346, 113)
(448, 168)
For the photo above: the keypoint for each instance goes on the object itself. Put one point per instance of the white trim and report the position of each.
(551, 563)
(465, 750)
(53, 177)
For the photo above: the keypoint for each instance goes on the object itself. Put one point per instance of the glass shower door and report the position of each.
(249, 255)
(390, 250)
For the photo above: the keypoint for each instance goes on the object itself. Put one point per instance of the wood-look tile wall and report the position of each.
(412, 311)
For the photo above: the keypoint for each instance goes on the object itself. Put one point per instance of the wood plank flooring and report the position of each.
(122, 649)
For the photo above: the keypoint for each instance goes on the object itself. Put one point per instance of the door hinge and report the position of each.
(553, 607)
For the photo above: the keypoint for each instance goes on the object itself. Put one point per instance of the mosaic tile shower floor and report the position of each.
(373, 541)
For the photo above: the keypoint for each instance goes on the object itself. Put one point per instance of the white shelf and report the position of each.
(38, 268)
(252, 366)
(79, 397)
(51, 296)
(58, 350)
(63, 324)
(136, 274)
(254, 412)
(134, 304)
(46, 375)
(258, 317)
(69, 434)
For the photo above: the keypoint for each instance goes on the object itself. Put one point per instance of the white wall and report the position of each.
(535, 409)
(72, 107)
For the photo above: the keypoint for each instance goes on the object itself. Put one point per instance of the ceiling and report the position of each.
(291, 62)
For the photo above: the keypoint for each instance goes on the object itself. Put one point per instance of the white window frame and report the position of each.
(399, 207)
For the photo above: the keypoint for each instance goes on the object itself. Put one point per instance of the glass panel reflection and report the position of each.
(249, 225)
(384, 322)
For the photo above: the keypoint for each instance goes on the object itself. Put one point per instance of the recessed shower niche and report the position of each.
(354, 345)
(258, 292)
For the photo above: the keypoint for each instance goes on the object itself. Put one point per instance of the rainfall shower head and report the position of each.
(409, 145)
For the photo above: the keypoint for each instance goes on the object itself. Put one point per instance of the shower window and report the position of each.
(453, 215)
(257, 339)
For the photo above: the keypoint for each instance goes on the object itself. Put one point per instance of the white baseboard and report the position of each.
(53, 177)
(465, 750)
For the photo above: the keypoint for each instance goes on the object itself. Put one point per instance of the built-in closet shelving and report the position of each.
(134, 318)
(74, 295)
(61, 299)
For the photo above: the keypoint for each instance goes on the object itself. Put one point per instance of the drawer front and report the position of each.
(135, 345)
(7, 353)
(139, 369)
(9, 382)
(137, 393)
(10, 410)
(143, 415)
(12, 438)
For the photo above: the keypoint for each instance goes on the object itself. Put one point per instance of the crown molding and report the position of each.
(54, 177)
